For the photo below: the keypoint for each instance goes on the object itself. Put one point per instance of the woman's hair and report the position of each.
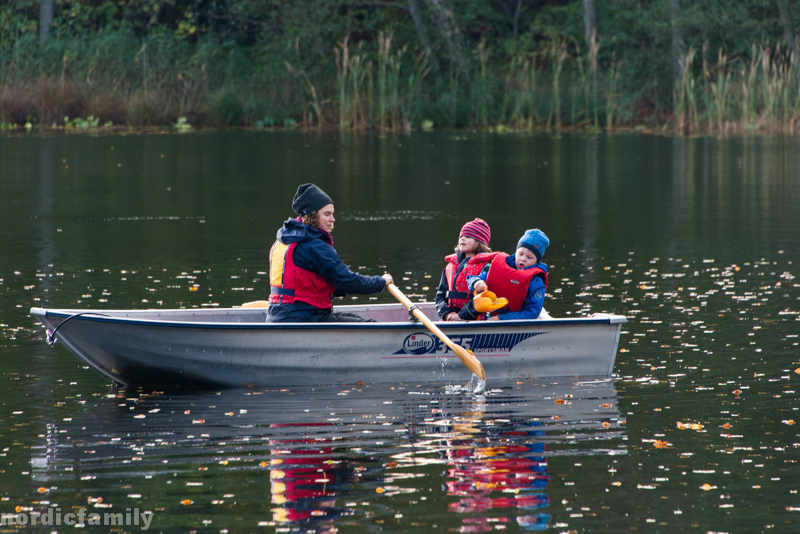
(311, 219)
(480, 247)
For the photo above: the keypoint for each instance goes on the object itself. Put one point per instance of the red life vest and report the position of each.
(511, 283)
(457, 290)
(289, 283)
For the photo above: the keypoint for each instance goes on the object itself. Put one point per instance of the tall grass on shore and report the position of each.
(759, 93)
(125, 80)
(119, 78)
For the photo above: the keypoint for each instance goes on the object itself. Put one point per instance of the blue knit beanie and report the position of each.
(535, 241)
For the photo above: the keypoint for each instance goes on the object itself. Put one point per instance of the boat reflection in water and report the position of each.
(505, 476)
(321, 458)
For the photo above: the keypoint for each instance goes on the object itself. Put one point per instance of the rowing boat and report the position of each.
(237, 347)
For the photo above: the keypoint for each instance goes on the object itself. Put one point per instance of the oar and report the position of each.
(256, 304)
(466, 357)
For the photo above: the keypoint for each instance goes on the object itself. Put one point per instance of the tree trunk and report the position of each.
(516, 19)
(677, 36)
(788, 32)
(450, 34)
(433, 57)
(45, 19)
(589, 23)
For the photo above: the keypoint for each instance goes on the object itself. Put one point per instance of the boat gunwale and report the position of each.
(98, 316)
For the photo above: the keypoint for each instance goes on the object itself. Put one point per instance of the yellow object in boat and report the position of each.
(488, 302)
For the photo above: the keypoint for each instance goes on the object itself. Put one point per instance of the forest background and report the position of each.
(652, 65)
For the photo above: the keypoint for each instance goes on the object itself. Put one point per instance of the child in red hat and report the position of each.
(472, 254)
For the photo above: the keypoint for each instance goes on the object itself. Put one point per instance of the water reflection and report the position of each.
(694, 239)
(329, 455)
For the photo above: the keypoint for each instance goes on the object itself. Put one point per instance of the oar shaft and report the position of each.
(468, 359)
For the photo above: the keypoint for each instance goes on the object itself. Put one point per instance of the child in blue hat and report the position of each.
(521, 278)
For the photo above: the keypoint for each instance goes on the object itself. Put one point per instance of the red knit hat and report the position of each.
(477, 229)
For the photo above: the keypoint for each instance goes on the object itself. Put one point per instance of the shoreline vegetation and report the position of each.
(401, 66)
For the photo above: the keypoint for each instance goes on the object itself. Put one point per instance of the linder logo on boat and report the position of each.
(419, 343)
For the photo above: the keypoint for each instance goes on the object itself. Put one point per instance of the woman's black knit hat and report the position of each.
(309, 198)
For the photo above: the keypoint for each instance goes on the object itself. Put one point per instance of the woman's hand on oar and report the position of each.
(463, 354)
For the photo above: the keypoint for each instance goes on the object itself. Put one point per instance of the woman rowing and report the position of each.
(304, 269)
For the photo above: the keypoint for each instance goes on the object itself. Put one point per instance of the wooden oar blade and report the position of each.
(470, 361)
(256, 304)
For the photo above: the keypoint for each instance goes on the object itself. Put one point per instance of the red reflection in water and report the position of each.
(507, 476)
(303, 481)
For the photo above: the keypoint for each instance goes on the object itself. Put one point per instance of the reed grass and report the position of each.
(612, 91)
(384, 85)
(558, 54)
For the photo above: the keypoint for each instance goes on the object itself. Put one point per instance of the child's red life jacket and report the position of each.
(457, 290)
(290, 283)
(511, 283)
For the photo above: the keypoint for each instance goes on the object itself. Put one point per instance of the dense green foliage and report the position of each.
(362, 64)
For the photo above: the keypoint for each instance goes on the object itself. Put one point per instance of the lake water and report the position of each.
(695, 240)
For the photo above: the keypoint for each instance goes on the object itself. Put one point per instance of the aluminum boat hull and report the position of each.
(237, 347)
